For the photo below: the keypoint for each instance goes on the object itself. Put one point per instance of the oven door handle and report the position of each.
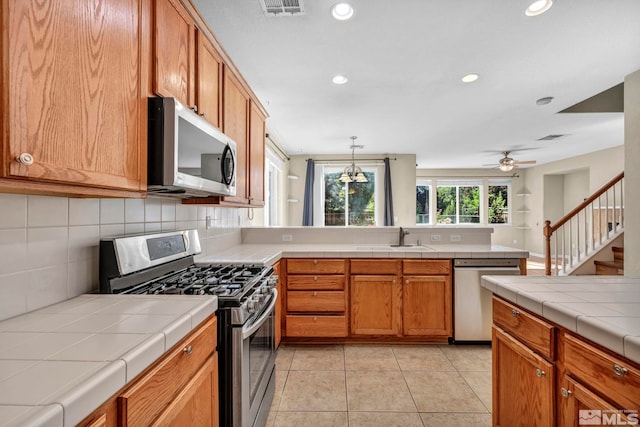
(249, 330)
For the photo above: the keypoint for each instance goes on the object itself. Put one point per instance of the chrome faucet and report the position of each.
(403, 233)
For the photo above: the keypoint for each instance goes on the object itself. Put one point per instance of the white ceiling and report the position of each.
(404, 60)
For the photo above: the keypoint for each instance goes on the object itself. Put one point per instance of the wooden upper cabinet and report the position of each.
(235, 125)
(256, 156)
(208, 80)
(174, 57)
(71, 97)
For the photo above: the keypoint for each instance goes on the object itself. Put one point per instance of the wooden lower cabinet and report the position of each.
(375, 305)
(426, 305)
(523, 384)
(180, 389)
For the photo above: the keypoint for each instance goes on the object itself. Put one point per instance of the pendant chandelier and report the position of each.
(353, 173)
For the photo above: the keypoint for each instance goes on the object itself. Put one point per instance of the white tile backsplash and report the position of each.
(49, 245)
(47, 211)
(13, 211)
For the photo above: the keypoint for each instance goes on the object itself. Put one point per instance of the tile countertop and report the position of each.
(270, 253)
(59, 363)
(603, 309)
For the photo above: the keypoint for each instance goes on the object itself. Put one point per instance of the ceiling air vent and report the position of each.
(282, 7)
(552, 137)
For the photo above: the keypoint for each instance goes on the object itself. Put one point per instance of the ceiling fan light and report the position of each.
(538, 7)
(339, 79)
(506, 167)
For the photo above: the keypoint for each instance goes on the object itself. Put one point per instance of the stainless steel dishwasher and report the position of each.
(472, 306)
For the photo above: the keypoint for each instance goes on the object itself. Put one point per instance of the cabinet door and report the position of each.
(426, 305)
(174, 55)
(74, 94)
(375, 305)
(523, 384)
(197, 403)
(208, 80)
(577, 405)
(235, 125)
(278, 308)
(256, 156)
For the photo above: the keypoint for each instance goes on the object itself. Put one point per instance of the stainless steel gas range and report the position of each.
(163, 263)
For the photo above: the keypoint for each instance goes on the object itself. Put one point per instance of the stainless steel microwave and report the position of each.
(187, 156)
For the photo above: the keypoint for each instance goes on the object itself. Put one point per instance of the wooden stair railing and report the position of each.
(599, 220)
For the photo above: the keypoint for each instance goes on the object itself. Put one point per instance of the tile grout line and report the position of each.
(408, 388)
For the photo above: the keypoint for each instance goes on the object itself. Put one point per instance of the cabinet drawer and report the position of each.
(535, 333)
(141, 403)
(378, 266)
(315, 283)
(607, 375)
(432, 266)
(316, 326)
(313, 301)
(315, 266)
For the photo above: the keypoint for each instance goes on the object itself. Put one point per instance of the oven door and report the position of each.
(253, 367)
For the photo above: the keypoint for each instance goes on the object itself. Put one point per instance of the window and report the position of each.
(273, 188)
(423, 192)
(498, 198)
(347, 204)
(458, 202)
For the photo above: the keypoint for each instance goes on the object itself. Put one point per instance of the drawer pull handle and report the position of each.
(515, 313)
(407, 282)
(540, 373)
(315, 294)
(188, 350)
(315, 261)
(315, 318)
(620, 371)
(315, 278)
(565, 393)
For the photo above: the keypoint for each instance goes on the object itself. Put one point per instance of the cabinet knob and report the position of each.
(515, 313)
(202, 114)
(565, 393)
(315, 261)
(407, 282)
(195, 108)
(540, 373)
(315, 294)
(315, 318)
(620, 371)
(25, 159)
(315, 278)
(187, 350)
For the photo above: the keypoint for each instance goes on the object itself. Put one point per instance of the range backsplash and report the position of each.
(49, 245)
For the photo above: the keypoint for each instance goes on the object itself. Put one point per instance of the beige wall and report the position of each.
(403, 181)
(601, 165)
(632, 174)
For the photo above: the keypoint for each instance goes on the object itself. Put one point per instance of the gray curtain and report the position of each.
(388, 194)
(307, 211)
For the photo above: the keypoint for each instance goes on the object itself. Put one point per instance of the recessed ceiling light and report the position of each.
(538, 7)
(470, 78)
(342, 11)
(340, 79)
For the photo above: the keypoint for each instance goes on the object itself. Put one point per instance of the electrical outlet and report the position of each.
(287, 237)
(435, 237)
(455, 238)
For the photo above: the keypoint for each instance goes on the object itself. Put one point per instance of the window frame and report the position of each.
(319, 192)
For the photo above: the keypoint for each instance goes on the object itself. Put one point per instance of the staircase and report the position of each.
(578, 236)
(612, 268)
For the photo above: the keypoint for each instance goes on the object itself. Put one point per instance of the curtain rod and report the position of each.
(277, 147)
(515, 175)
(349, 160)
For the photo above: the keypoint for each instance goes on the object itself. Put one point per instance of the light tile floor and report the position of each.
(382, 385)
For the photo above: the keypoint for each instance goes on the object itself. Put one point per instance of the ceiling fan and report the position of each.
(507, 163)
